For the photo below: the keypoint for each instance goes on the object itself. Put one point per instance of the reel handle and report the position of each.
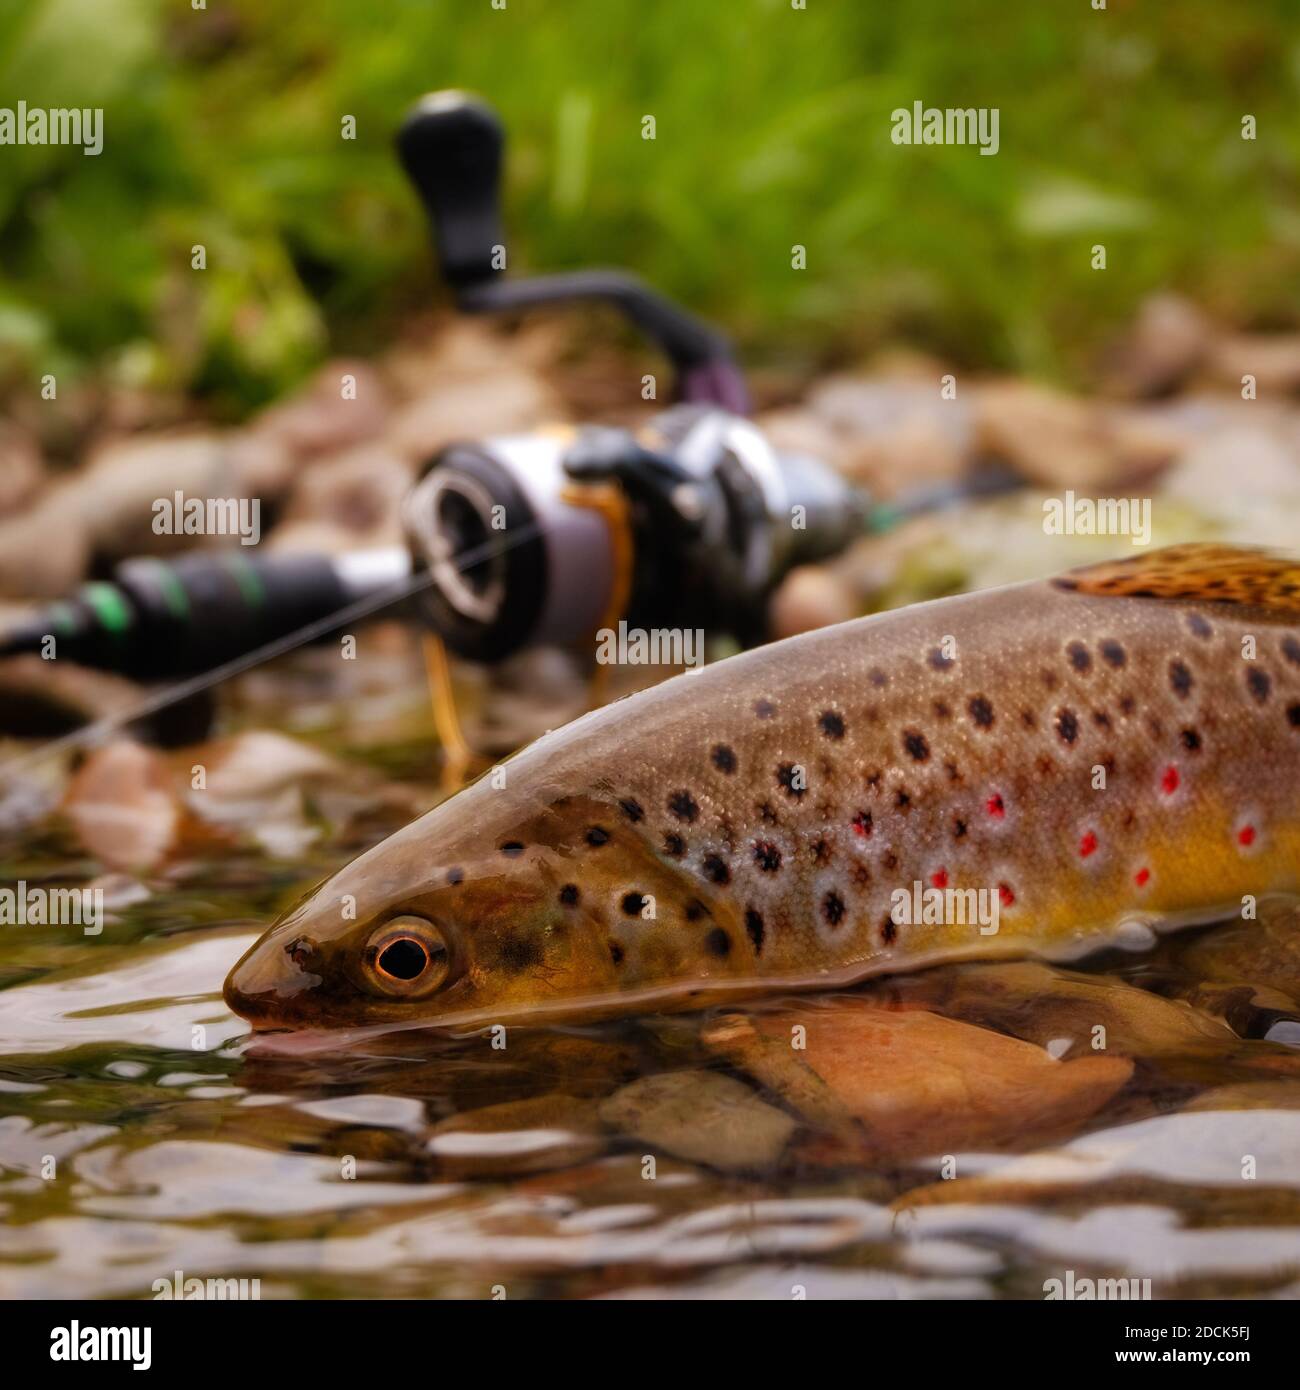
(450, 145)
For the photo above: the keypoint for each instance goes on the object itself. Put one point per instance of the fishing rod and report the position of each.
(367, 605)
(690, 521)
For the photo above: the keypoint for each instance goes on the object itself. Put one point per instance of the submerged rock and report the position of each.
(890, 1085)
(701, 1116)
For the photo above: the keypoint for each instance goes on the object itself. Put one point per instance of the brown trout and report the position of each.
(1120, 745)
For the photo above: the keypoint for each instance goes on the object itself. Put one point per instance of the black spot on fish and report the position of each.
(833, 909)
(633, 904)
(715, 868)
(1101, 719)
(939, 660)
(724, 759)
(789, 775)
(915, 744)
(768, 813)
(767, 856)
(1191, 740)
(616, 953)
(1293, 716)
(1291, 650)
(877, 678)
(674, 845)
(695, 909)
(754, 928)
(455, 876)
(512, 849)
(1069, 585)
(1259, 683)
(942, 709)
(1127, 704)
(683, 805)
(1050, 679)
(832, 724)
(902, 799)
(862, 824)
(1180, 679)
(765, 709)
(821, 852)
(1198, 626)
(717, 942)
(958, 828)
(1112, 653)
(981, 712)
(569, 894)
(597, 835)
(632, 809)
(1079, 657)
(1067, 725)
(888, 930)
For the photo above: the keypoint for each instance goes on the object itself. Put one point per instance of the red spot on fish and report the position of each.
(1246, 835)
(1142, 877)
(1005, 893)
(862, 824)
(1169, 780)
(1087, 845)
(995, 807)
(939, 878)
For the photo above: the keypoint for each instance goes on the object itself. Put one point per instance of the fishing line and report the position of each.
(96, 730)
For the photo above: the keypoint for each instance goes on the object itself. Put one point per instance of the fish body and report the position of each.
(1114, 746)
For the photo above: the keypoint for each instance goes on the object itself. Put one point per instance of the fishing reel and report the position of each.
(542, 539)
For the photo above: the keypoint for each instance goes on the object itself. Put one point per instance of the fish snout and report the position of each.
(271, 979)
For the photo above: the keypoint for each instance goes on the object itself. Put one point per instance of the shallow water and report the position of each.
(925, 1154)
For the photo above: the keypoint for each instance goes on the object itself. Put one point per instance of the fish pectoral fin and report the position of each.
(1208, 573)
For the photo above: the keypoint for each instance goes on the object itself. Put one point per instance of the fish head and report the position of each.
(467, 915)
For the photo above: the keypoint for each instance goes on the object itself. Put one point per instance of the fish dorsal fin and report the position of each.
(1204, 573)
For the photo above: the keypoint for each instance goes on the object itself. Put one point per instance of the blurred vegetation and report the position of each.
(223, 127)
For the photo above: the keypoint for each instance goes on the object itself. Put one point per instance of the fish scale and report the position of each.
(1117, 745)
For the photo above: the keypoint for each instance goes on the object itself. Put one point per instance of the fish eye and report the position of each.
(407, 957)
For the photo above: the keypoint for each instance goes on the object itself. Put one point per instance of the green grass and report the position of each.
(222, 127)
